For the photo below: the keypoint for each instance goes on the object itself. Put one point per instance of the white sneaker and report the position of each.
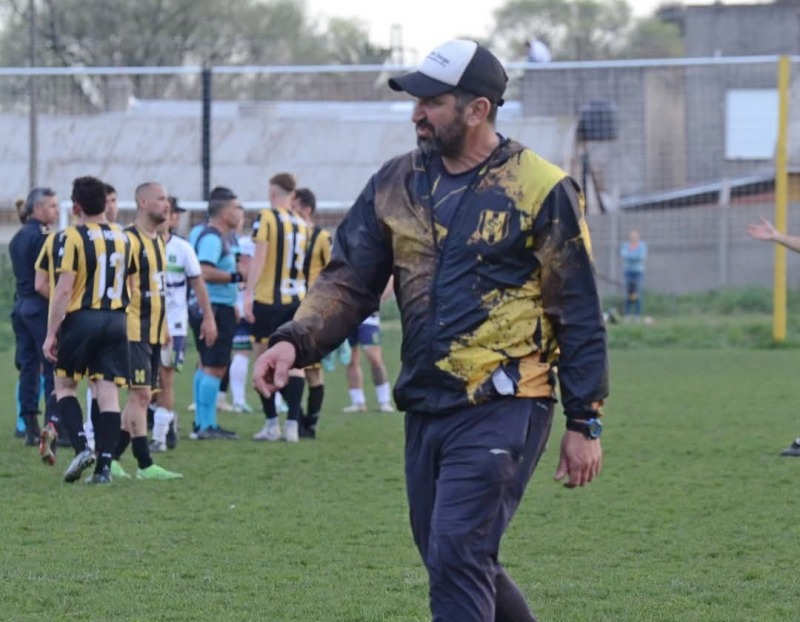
(386, 407)
(244, 407)
(292, 434)
(224, 405)
(157, 447)
(355, 408)
(270, 432)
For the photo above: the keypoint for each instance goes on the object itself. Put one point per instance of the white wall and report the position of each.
(334, 154)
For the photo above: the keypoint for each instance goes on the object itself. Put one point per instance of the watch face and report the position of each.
(594, 428)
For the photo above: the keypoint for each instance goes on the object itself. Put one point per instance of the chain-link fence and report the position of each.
(680, 150)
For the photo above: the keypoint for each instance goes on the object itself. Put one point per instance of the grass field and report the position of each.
(693, 519)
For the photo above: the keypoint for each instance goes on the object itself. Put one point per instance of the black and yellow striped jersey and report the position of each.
(46, 261)
(318, 253)
(147, 308)
(282, 280)
(99, 256)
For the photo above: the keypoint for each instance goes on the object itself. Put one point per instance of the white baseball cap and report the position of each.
(461, 64)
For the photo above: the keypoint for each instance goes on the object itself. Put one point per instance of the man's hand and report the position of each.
(271, 369)
(765, 230)
(247, 308)
(581, 459)
(50, 348)
(208, 330)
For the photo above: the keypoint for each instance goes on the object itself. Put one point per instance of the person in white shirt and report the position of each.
(538, 52)
(368, 337)
(183, 269)
(243, 337)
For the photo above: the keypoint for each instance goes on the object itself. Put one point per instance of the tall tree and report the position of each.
(653, 38)
(583, 30)
(148, 33)
(574, 29)
(174, 32)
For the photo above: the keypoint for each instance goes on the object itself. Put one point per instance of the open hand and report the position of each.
(765, 230)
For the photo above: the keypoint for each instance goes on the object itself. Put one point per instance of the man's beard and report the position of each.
(157, 219)
(447, 142)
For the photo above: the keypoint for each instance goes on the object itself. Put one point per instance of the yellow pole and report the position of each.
(781, 201)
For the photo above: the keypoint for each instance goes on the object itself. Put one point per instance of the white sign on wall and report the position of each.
(751, 124)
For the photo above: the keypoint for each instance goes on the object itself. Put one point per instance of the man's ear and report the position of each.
(478, 110)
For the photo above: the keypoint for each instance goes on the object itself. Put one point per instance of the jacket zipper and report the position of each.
(433, 325)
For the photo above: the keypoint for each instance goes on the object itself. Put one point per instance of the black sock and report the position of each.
(51, 410)
(223, 385)
(268, 406)
(123, 440)
(72, 419)
(315, 395)
(293, 394)
(106, 434)
(94, 414)
(151, 415)
(142, 452)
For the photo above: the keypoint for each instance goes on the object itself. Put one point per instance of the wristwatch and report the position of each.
(590, 428)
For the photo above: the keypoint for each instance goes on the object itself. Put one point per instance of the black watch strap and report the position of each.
(590, 428)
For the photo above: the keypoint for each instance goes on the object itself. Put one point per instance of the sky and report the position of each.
(426, 23)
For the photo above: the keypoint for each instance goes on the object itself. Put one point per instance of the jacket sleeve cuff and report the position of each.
(588, 411)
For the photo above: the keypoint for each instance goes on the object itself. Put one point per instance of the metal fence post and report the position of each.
(206, 125)
(33, 120)
(723, 257)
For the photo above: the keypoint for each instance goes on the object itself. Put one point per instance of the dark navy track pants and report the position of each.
(29, 321)
(466, 473)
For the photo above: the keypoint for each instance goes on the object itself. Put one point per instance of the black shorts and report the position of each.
(218, 355)
(94, 343)
(145, 359)
(269, 318)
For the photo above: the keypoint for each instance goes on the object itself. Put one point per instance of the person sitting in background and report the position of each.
(634, 254)
(538, 52)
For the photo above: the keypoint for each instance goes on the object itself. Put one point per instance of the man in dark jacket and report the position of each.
(29, 317)
(494, 279)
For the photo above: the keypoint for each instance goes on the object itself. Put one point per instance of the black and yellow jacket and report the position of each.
(490, 306)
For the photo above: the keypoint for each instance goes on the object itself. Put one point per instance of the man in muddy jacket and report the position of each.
(494, 280)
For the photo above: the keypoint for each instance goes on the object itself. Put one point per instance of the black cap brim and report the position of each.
(419, 85)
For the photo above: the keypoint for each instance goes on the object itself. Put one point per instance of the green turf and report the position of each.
(693, 519)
